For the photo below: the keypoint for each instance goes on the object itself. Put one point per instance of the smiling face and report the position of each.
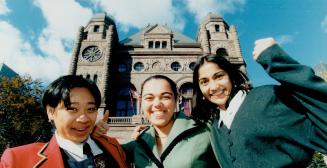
(158, 102)
(215, 84)
(75, 122)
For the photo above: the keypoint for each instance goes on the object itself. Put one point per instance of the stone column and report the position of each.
(204, 40)
(106, 67)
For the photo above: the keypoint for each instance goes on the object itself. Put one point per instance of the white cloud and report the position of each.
(140, 13)
(18, 54)
(284, 39)
(324, 24)
(3, 7)
(63, 18)
(220, 7)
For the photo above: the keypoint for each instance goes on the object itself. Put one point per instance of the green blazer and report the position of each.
(276, 125)
(187, 146)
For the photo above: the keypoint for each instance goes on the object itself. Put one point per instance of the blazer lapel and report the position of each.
(41, 155)
(50, 155)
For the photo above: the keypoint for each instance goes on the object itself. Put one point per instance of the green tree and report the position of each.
(22, 119)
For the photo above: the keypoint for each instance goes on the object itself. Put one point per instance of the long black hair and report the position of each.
(203, 109)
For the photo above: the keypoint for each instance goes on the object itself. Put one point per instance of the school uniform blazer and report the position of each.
(276, 125)
(48, 155)
(187, 146)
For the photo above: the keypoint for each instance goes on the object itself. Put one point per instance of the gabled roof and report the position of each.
(178, 37)
(6, 71)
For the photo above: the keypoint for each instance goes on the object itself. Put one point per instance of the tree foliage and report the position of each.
(22, 119)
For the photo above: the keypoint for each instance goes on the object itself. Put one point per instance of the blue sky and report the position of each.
(37, 36)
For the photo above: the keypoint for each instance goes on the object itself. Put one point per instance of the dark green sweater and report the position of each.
(277, 125)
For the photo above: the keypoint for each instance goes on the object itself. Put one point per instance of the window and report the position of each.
(164, 44)
(175, 66)
(126, 104)
(88, 76)
(122, 67)
(217, 28)
(96, 28)
(222, 52)
(157, 44)
(150, 44)
(192, 66)
(138, 66)
(95, 78)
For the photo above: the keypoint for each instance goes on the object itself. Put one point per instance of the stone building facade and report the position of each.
(120, 66)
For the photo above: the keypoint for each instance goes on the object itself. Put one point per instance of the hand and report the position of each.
(137, 131)
(261, 45)
(101, 128)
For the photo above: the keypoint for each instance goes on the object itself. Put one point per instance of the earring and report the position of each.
(203, 98)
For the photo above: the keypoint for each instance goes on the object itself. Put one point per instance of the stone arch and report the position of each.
(185, 88)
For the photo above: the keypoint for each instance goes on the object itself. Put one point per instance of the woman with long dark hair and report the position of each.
(267, 126)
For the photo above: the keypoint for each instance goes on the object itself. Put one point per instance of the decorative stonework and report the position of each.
(174, 47)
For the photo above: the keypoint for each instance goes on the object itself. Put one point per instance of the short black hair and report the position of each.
(60, 90)
(170, 81)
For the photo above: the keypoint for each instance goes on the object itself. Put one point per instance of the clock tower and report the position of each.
(92, 53)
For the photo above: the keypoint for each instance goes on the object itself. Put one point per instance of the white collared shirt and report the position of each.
(76, 150)
(227, 116)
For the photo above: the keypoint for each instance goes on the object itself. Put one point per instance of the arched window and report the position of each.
(222, 52)
(157, 44)
(175, 66)
(150, 44)
(217, 28)
(138, 66)
(192, 65)
(88, 76)
(186, 91)
(96, 28)
(126, 103)
(164, 44)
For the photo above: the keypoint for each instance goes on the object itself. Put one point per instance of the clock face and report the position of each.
(91, 54)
